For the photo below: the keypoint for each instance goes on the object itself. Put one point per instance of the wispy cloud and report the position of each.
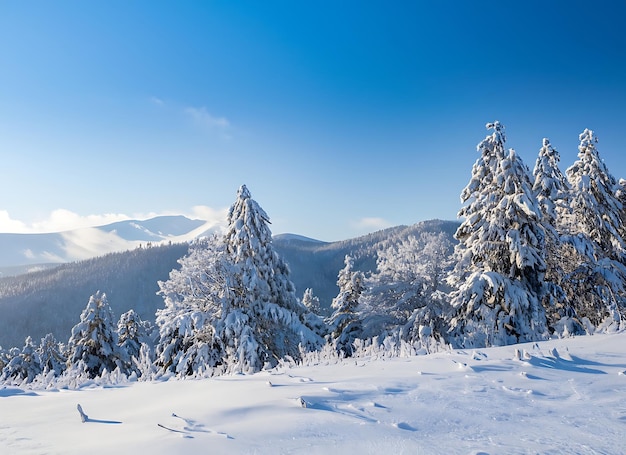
(370, 224)
(211, 215)
(156, 101)
(57, 221)
(61, 220)
(89, 242)
(204, 118)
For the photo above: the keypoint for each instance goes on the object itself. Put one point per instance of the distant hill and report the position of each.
(315, 264)
(51, 298)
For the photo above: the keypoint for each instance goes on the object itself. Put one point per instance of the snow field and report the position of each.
(559, 396)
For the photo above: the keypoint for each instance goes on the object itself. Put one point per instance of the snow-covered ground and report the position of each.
(560, 396)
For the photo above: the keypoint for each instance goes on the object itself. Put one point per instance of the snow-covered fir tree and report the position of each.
(4, 359)
(263, 319)
(51, 356)
(311, 301)
(598, 280)
(621, 197)
(550, 185)
(313, 318)
(498, 278)
(345, 324)
(231, 306)
(552, 191)
(93, 347)
(594, 203)
(194, 297)
(24, 366)
(132, 333)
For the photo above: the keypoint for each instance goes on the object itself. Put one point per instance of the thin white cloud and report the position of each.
(371, 224)
(156, 101)
(64, 220)
(209, 214)
(204, 118)
(61, 220)
(89, 242)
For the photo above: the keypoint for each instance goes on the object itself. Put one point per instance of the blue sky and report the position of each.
(341, 117)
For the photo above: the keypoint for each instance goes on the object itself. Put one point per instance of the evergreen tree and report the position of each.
(194, 297)
(312, 318)
(598, 291)
(552, 191)
(345, 323)
(93, 346)
(51, 355)
(231, 306)
(311, 301)
(4, 359)
(621, 197)
(498, 278)
(132, 334)
(24, 366)
(263, 321)
(550, 185)
(594, 204)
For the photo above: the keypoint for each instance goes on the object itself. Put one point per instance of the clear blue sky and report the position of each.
(341, 117)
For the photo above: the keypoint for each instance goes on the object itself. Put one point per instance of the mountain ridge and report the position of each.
(51, 298)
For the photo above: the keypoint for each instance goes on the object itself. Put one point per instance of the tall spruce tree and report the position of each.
(621, 197)
(93, 346)
(264, 321)
(311, 301)
(499, 275)
(345, 323)
(552, 191)
(132, 334)
(594, 233)
(51, 356)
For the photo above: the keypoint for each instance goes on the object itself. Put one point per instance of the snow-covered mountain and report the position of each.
(21, 252)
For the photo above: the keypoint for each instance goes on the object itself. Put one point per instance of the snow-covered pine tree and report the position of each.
(621, 197)
(263, 321)
(93, 346)
(24, 367)
(4, 359)
(552, 191)
(498, 278)
(345, 324)
(313, 318)
(194, 297)
(550, 185)
(311, 301)
(51, 356)
(132, 334)
(594, 202)
(598, 291)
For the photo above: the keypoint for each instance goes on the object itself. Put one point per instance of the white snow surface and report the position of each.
(559, 396)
